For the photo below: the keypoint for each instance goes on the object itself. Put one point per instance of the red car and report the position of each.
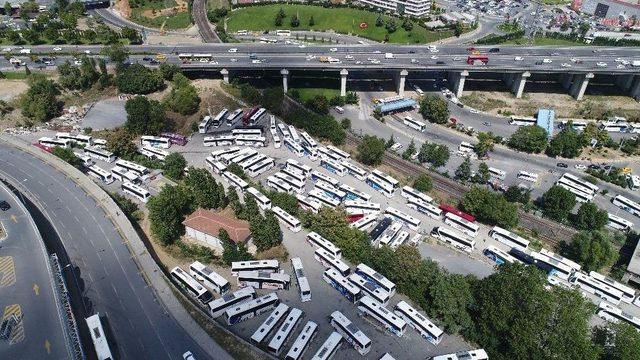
(453, 120)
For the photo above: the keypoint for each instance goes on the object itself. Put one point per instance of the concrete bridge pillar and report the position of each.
(225, 75)
(519, 82)
(457, 80)
(565, 81)
(625, 82)
(580, 83)
(343, 82)
(285, 80)
(635, 88)
(402, 77)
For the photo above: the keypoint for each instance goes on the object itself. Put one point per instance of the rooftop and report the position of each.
(210, 222)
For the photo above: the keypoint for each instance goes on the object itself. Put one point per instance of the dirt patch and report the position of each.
(11, 89)
(189, 37)
(152, 13)
(123, 8)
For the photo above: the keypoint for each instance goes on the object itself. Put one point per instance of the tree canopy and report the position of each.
(40, 102)
(174, 165)
(167, 211)
(371, 150)
(144, 116)
(183, 97)
(490, 207)
(434, 154)
(531, 139)
(593, 250)
(590, 217)
(566, 143)
(138, 79)
(434, 109)
(557, 203)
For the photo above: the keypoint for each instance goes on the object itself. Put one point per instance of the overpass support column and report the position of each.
(519, 82)
(625, 82)
(343, 82)
(635, 88)
(285, 80)
(225, 75)
(565, 81)
(402, 77)
(580, 83)
(508, 79)
(458, 79)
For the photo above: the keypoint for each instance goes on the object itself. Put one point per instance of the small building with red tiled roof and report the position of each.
(204, 226)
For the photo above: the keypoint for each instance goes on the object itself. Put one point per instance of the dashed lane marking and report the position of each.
(17, 333)
(7, 271)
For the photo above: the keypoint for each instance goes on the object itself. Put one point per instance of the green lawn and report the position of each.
(179, 20)
(309, 93)
(539, 41)
(14, 75)
(342, 20)
(216, 4)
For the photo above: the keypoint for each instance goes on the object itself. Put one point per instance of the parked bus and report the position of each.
(618, 223)
(153, 153)
(309, 204)
(264, 280)
(270, 323)
(325, 153)
(191, 285)
(627, 292)
(340, 283)
(136, 191)
(98, 172)
(318, 241)
(580, 184)
(245, 165)
(155, 141)
(175, 139)
(419, 322)
(466, 148)
(478, 354)
(354, 170)
(248, 115)
(235, 181)
(333, 166)
(219, 140)
(497, 173)
(99, 154)
(234, 116)
(414, 124)
(210, 278)
(291, 222)
(412, 222)
(298, 186)
(553, 265)
(575, 125)
(307, 139)
(369, 289)
(255, 265)
(581, 196)
(627, 205)
(316, 176)
(527, 176)
(219, 306)
(294, 134)
(284, 130)
(261, 167)
(614, 126)
(310, 152)
(454, 238)
(124, 175)
(294, 174)
(79, 139)
(385, 178)
(361, 207)
(508, 238)
(354, 194)
(399, 240)
(330, 261)
(597, 288)
(219, 118)
(251, 308)
(263, 202)
(365, 222)
(633, 181)
(329, 347)
(522, 120)
(257, 115)
(323, 199)
(98, 337)
(138, 169)
(299, 167)
(330, 191)
(86, 159)
(389, 233)
(277, 143)
(278, 185)
(334, 150)
(615, 315)
(350, 332)
(248, 131)
(301, 279)
(498, 256)
(392, 322)
(376, 279)
(410, 193)
(204, 125)
(286, 329)
(380, 186)
(301, 344)
(251, 140)
(461, 224)
(217, 167)
(426, 208)
(49, 142)
(218, 154)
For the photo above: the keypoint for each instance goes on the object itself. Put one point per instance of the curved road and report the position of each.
(199, 13)
(140, 326)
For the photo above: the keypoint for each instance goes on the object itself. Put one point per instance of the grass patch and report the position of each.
(217, 4)
(482, 103)
(544, 41)
(14, 75)
(178, 20)
(342, 20)
(310, 93)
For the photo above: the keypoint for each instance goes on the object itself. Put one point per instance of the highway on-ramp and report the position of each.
(138, 324)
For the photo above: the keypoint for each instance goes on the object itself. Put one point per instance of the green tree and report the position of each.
(30, 35)
(203, 188)
(8, 10)
(319, 104)
(174, 165)
(286, 202)
(131, 34)
(448, 298)
(423, 183)
(490, 207)
(590, 217)
(266, 231)
(557, 203)
(458, 29)
(68, 156)
(486, 142)
(145, 116)
(137, 79)
(619, 341)
(566, 143)
(272, 99)
(391, 26)
(463, 172)
(345, 123)
(69, 76)
(90, 35)
(167, 211)
(168, 71)
(436, 155)
(390, 142)
(295, 21)
(434, 109)
(116, 52)
(121, 143)
(312, 21)
(409, 151)
(40, 102)
(531, 139)
(371, 150)
(483, 175)
(379, 21)
(517, 194)
(593, 250)
(183, 97)
(232, 251)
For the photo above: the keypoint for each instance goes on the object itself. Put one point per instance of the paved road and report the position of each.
(26, 288)
(199, 12)
(110, 281)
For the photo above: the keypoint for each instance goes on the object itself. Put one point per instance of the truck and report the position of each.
(329, 59)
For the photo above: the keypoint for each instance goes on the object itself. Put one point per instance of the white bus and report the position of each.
(333, 166)
(361, 207)
(627, 293)
(124, 175)
(256, 117)
(392, 322)
(264, 280)
(242, 155)
(380, 186)
(508, 238)
(410, 193)
(350, 332)
(251, 308)
(204, 125)
(261, 167)
(399, 240)
(497, 173)
(614, 126)
(153, 153)
(301, 279)
(461, 224)
(570, 184)
(251, 140)
(137, 169)
(78, 139)
(343, 155)
(155, 141)
(302, 342)
(353, 194)
(329, 347)
(580, 195)
(376, 278)
(498, 256)
(299, 167)
(219, 306)
(294, 147)
(294, 174)
(331, 191)
(618, 223)
(325, 153)
(575, 124)
(136, 191)
(255, 265)
(217, 155)
(291, 222)
(323, 199)
(412, 222)
(354, 170)
(592, 286)
(98, 337)
(552, 265)
(217, 167)
(99, 154)
(191, 285)
(615, 315)
(389, 233)
(270, 323)
(235, 181)
(365, 222)
(101, 143)
(478, 354)
(376, 293)
(309, 204)
(414, 124)
(330, 261)
(98, 172)
(49, 142)
(246, 132)
(294, 134)
(593, 188)
(318, 241)
(316, 176)
(284, 130)
(466, 147)
(298, 186)
(278, 185)
(454, 238)
(627, 205)
(263, 202)
(277, 143)
(419, 322)
(306, 138)
(426, 208)
(233, 116)
(210, 278)
(633, 181)
(86, 159)
(522, 120)
(285, 330)
(528, 176)
(385, 178)
(219, 118)
(245, 165)
(312, 153)
(351, 292)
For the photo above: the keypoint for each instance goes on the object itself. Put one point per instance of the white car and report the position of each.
(574, 60)
(518, 58)
(618, 60)
(565, 65)
(620, 66)
(77, 63)
(188, 356)
(213, 62)
(25, 51)
(375, 61)
(333, 49)
(433, 57)
(349, 57)
(204, 60)
(474, 111)
(396, 147)
(601, 64)
(580, 167)
(256, 61)
(232, 50)
(302, 46)
(415, 61)
(546, 61)
(358, 62)
(87, 52)
(456, 58)
(57, 48)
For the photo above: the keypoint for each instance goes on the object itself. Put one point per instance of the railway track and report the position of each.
(549, 231)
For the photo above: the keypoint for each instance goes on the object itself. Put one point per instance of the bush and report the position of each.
(371, 150)
(183, 98)
(40, 102)
(138, 79)
(144, 116)
(423, 183)
(557, 203)
(490, 207)
(434, 109)
(68, 156)
(531, 139)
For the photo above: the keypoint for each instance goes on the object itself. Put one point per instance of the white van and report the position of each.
(339, 110)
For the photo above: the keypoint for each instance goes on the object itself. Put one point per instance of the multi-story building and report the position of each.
(416, 8)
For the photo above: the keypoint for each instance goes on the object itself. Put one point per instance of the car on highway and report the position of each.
(457, 58)
(494, 50)
(439, 62)
(565, 65)
(415, 61)
(547, 61)
(333, 49)
(232, 50)
(433, 57)
(358, 62)
(188, 356)
(256, 61)
(349, 57)
(233, 60)
(486, 123)
(580, 167)
(474, 111)
(562, 165)
(87, 52)
(57, 48)
(4, 206)
(594, 167)
(412, 52)
(302, 46)
(601, 64)
(77, 62)
(518, 58)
